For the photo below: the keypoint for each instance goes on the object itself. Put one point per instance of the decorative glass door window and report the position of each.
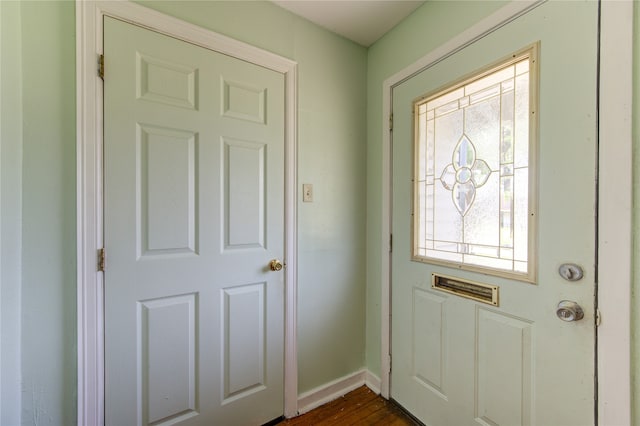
(474, 171)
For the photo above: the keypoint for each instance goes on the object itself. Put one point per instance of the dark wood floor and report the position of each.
(359, 407)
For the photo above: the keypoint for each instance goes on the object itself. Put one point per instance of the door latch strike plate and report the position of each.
(101, 66)
(101, 259)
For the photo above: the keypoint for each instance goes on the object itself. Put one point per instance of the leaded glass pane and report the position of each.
(521, 113)
(472, 171)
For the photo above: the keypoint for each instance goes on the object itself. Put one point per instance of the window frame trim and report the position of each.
(531, 51)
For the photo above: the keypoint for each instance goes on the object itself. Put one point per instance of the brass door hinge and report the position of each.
(102, 257)
(101, 66)
(598, 318)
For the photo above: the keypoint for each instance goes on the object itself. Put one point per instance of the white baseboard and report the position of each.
(314, 398)
(373, 382)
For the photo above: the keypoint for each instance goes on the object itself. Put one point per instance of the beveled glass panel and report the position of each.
(430, 147)
(422, 146)
(506, 253)
(472, 171)
(487, 251)
(521, 131)
(448, 177)
(522, 67)
(520, 214)
(422, 231)
(520, 266)
(443, 255)
(489, 262)
(485, 94)
(464, 155)
(464, 194)
(506, 211)
(481, 173)
(499, 75)
(445, 109)
(506, 124)
(507, 85)
(430, 114)
(506, 170)
(447, 246)
(428, 216)
(444, 99)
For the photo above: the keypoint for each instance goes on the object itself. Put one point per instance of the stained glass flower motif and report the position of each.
(464, 175)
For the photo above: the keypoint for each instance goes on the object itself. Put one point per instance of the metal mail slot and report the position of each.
(468, 289)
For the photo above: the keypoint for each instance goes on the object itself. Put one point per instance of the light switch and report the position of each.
(307, 192)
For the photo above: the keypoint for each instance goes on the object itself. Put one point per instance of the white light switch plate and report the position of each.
(307, 192)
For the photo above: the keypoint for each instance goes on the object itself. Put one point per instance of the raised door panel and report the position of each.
(244, 172)
(166, 197)
(167, 358)
(243, 324)
(243, 101)
(167, 82)
(429, 344)
(504, 374)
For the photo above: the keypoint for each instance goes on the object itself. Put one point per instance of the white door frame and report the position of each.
(614, 202)
(90, 314)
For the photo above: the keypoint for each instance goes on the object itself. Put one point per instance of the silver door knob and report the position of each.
(569, 311)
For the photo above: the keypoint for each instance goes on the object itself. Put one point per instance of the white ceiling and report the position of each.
(363, 21)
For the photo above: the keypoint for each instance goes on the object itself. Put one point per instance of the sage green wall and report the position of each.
(48, 342)
(10, 210)
(427, 28)
(332, 146)
(635, 299)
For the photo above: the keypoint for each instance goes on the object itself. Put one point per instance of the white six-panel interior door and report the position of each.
(193, 214)
(248, 295)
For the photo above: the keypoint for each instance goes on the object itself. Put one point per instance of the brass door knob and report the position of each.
(275, 265)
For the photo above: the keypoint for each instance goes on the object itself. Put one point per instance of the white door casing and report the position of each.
(615, 212)
(615, 168)
(90, 281)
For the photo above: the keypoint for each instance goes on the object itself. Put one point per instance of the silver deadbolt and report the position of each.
(569, 311)
(570, 272)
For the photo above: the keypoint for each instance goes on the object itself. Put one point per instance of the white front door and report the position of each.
(193, 215)
(510, 361)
